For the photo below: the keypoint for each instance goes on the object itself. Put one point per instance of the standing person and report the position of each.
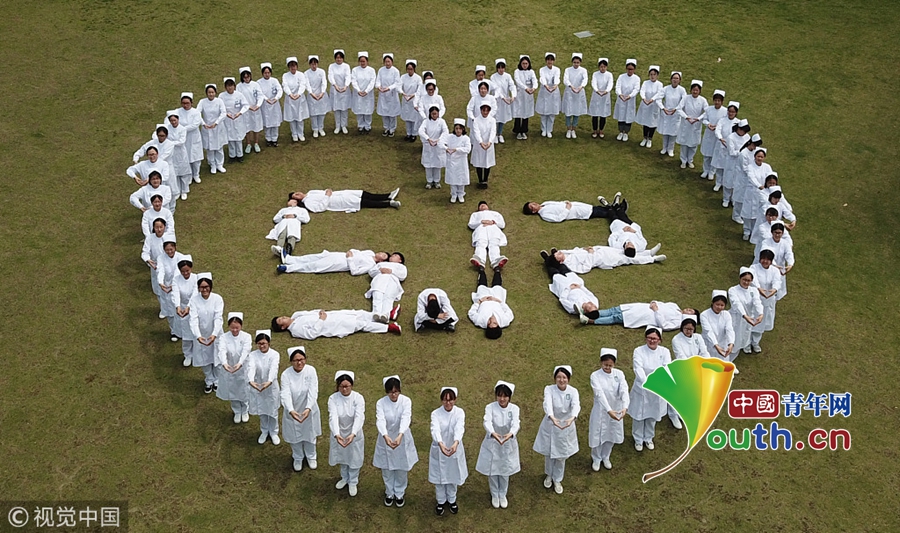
(178, 136)
(692, 114)
(428, 97)
(395, 451)
(574, 103)
(296, 109)
(674, 96)
(648, 108)
(184, 288)
(487, 236)
(387, 81)
(745, 164)
(548, 100)
(410, 85)
(646, 408)
(523, 106)
(339, 77)
(362, 78)
(447, 468)
(600, 108)
(746, 310)
(265, 394)
(190, 119)
(212, 111)
(720, 154)
(482, 96)
(767, 281)
(718, 330)
(318, 101)
(458, 145)
(710, 122)
(301, 422)
(254, 95)
(235, 126)
(346, 414)
(505, 93)
(166, 268)
(783, 248)
(480, 73)
(628, 85)
(271, 111)
(142, 172)
(206, 309)
(734, 143)
(611, 402)
(434, 154)
(556, 439)
(433, 311)
(755, 170)
(688, 343)
(151, 251)
(232, 351)
(498, 457)
(484, 135)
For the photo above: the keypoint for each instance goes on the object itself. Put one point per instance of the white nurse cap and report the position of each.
(243, 70)
(455, 391)
(566, 367)
(745, 270)
(266, 332)
(735, 104)
(204, 275)
(512, 388)
(631, 61)
(188, 94)
(362, 54)
(262, 66)
(172, 112)
(340, 373)
(387, 55)
(549, 54)
(609, 351)
(385, 379)
(310, 58)
(186, 257)
(577, 54)
(651, 328)
(481, 68)
(499, 60)
(459, 122)
(293, 349)
(653, 67)
(292, 58)
(431, 81)
(603, 60)
(235, 314)
(226, 78)
(692, 318)
(719, 92)
(717, 293)
(698, 83)
(412, 61)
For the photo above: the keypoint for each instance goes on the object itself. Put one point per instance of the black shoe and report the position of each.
(240, 159)
(388, 501)
(208, 389)
(384, 133)
(553, 251)
(390, 134)
(274, 144)
(545, 255)
(288, 249)
(216, 387)
(399, 502)
(439, 509)
(454, 508)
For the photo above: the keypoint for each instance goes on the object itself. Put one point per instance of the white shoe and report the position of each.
(671, 153)
(312, 464)
(649, 143)
(495, 502)
(302, 139)
(197, 179)
(294, 138)
(256, 148)
(428, 185)
(739, 220)
(221, 169)
(548, 482)
(549, 134)
(655, 248)
(503, 503)
(237, 418)
(557, 487)
(340, 484)
(663, 151)
(595, 466)
(711, 177)
(245, 417)
(746, 237)
(690, 164)
(619, 136)
(643, 142)
(704, 174)
(639, 446)
(393, 194)
(321, 133)
(344, 130)
(624, 137)
(649, 445)
(500, 139)
(298, 465)
(543, 133)
(212, 170)
(736, 371)
(677, 424)
(524, 136)
(724, 203)
(607, 465)
(187, 361)
(462, 200)
(262, 438)
(437, 185)
(395, 204)
(315, 134)
(659, 258)
(337, 130)
(718, 187)
(352, 490)
(683, 164)
(183, 196)
(756, 348)
(276, 250)
(248, 148)
(275, 439)
(453, 199)
(574, 136)
(161, 315)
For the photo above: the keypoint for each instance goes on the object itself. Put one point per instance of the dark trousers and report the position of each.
(613, 212)
(520, 125)
(483, 174)
(624, 127)
(648, 132)
(434, 325)
(599, 123)
(375, 201)
(482, 279)
(555, 268)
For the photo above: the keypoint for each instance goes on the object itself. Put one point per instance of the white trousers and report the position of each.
(749, 224)
(547, 123)
(433, 175)
(235, 149)
(755, 338)
(499, 485)
(445, 493)
(299, 450)
(555, 468)
(687, 153)
(485, 248)
(381, 305)
(350, 475)
(340, 118)
(317, 122)
(364, 121)
(726, 192)
(720, 172)
(184, 182)
(296, 128)
(736, 212)
(395, 482)
(411, 128)
(272, 134)
(599, 453)
(195, 171)
(673, 415)
(187, 345)
(238, 407)
(209, 374)
(669, 143)
(458, 190)
(643, 430)
(389, 123)
(268, 424)
(707, 165)
(215, 158)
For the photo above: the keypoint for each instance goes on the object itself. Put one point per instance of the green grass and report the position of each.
(96, 405)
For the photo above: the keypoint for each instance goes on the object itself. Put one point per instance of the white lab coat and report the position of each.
(755, 178)
(601, 106)
(262, 368)
(179, 159)
(473, 108)
(548, 103)
(556, 211)
(723, 130)
(610, 394)
(299, 392)
(504, 87)
(152, 250)
(363, 80)
(457, 172)
(424, 103)
(640, 315)
(480, 313)
(324, 262)
(689, 134)
(732, 160)
(165, 150)
(166, 270)
(718, 330)
(618, 237)
(388, 102)
(745, 160)
(349, 201)
(339, 76)
(473, 86)
(182, 292)
(443, 301)
(191, 120)
(151, 215)
(389, 284)
(317, 83)
(523, 105)
(674, 99)
(206, 321)
(767, 279)
(571, 299)
(551, 441)
(581, 261)
(711, 118)
(494, 459)
(346, 415)
(271, 113)
(626, 86)
(743, 302)
(235, 128)
(213, 112)
(483, 235)
(255, 97)
(684, 347)
(644, 403)
(574, 104)
(233, 350)
(434, 130)
(648, 114)
(307, 325)
(292, 225)
(141, 197)
(297, 85)
(410, 86)
(392, 419)
(484, 130)
(447, 427)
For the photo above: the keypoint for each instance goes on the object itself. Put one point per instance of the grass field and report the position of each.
(94, 403)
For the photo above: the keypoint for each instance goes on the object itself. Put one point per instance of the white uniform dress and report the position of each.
(718, 330)
(709, 142)
(610, 394)
(601, 106)
(388, 102)
(626, 86)
(307, 324)
(234, 387)
(523, 105)
(299, 392)
(575, 104)
(385, 289)
(443, 300)
(581, 261)
(149, 216)
(689, 134)
(548, 103)
(480, 313)
(213, 112)
(457, 173)
(324, 262)
(484, 130)
(743, 302)
(166, 270)
(640, 315)
(646, 408)
(556, 445)
(767, 279)
(556, 211)
(339, 76)
(271, 113)
(618, 237)
(684, 347)
(290, 225)
(571, 299)
(497, 461)
(182, 292)
(363, 80)
(409, 87)
(206, 321)
(262, 368)
(504, 87)
(433, 157)
(152, 250)
(648, 114)
(317, 82)
(346, 415)
(447, 473)
(720, 153)
(191, 120)
(178, 137)
(296, 111)
(672, 98)
(424, 103)
(487, 239)
(392, 419)
(254, 95)
(235, 128)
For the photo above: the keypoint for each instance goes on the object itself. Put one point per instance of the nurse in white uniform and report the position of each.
(688, 343)
(447, 468)
(296, 110)
(387, 81)
(318, 101)
(627, 87)
(184, 287)
(766, 280)
(362, 78)
(410, 86)
(523, 105)
(646, 408)
(301, 422)
(484, 136)
(458, 145)
(166, 270)
(346, 414)
(648, 108)
(206, 309)
(271, 110)
(151, 252)
(691, 114)
(235, 125)
(556, 439)
(212, 132)
(746, 310)
(178, 135)
(574, 103)
(718, 330)
(254, 95)
(548, 100)
(433, 132)
(710, 123)
(190, 119)
(720, 154)
(611, 402)
(671, 103)
(395, 449)
(232, 351)
(601, 107)
(264, 393)
(505, 92)
(341, 95)
(499, 455)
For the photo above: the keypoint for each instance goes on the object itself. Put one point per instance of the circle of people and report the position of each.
(248, 378)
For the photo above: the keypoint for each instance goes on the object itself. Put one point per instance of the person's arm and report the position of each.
(333, 423)
(488, 421)
(312, 395)
(599, 395)
(194, 321)
(222, 111)
(287, 398)
(567, 80)
(405, 415)
(459, 428)
(304, 216)
(436, 427)
(359, 414)
(217, 316)
(548, 404)
(516, 423)
(640, 376)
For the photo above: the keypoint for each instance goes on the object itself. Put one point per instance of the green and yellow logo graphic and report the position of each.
(696, 388)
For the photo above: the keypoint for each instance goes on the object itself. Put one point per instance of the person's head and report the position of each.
(266, 70)
(483, 206)
(339, 56)
(156, 202)
(493, 331)
(500, 65)
(430, 87)
(388, 60)
(524, 63)
(343, 382)
(155, 177)
(653, 73)
(549, 59)
(590, 310)
(229, 85)
(503, 391)
(771, 215)
(152, 154)
(608, 358)
(410, 66)
(629, 249)
(777, 231)
(696, 88)
(602, 64)
(434, 113)
(204, 285)
(766, 256)
(459, 127)
(159, 227)
(480, 72)
(531, 208)
(688, 326)
(381, 257)
(775, 197)
(483, 89)
(211, 91)
(562, 374)
(397, 257)
(263, 340)
(719, 300)
(427, 75)
(559, 256)
(174, 120)
(169, 247)
(718, 98)
(185, 267)
(162, 133)
(297, 195)
(297, 356)
(235, 323)
(280, 323)
(675, 79)
(392, 387)
(576, 60)
(292, 202)
(187, 101)
(760, 156)
(433, 307)
(746, 277)
(485, 110)
(652, 335)
(448, 398)
(630, 67)
(363, 59)
(733, 108)
(245, 75)
(771, 180)
(312, 61)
